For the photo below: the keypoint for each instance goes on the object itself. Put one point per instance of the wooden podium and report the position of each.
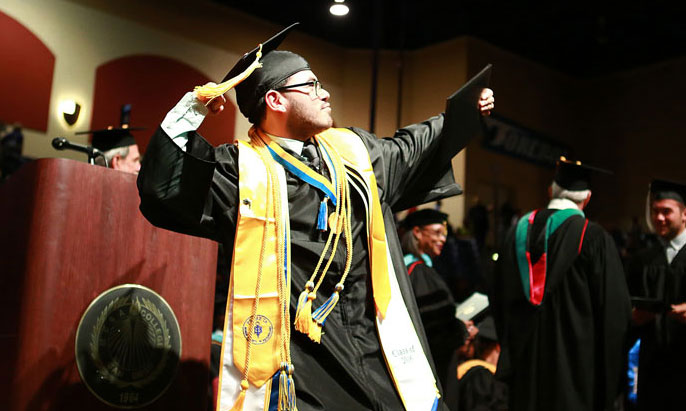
(68, 232)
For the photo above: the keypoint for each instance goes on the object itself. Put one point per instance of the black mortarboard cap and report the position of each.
(108, 139)
(111, 137)
(664, 189)
(462, 121)
(487, 329)
(425, 216)
(574, 175)
(276, 67)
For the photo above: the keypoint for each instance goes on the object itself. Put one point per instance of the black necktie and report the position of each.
(311, 156)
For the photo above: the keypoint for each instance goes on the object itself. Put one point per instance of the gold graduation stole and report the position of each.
(260, 281)
(258, 316)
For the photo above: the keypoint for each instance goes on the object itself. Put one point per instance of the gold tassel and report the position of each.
(238, 406)
(283, 388)
(303, 312)
(292, 406)
(315, 333)
(212, 90)
(321, 313)
(325, 309)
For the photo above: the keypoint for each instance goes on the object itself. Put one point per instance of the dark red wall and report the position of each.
(26, 76)
(152, 85)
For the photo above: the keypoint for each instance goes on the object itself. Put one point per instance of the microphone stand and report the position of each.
(61, 143)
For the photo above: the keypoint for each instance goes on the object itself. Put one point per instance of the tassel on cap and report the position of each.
(212, 90)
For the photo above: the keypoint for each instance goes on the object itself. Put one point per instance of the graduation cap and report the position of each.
(474, 308)
(425, 216)
(462, 121)
(258, 71)
(664, 189)
(111, 137)
(487, 329)
(575, 176)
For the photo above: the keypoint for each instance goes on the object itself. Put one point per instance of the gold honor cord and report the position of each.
(287, 399)
(308, 322)
(212, 90)
(305, 321)
(303, 314)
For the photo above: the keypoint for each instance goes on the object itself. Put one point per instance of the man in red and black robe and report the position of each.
(561, 305)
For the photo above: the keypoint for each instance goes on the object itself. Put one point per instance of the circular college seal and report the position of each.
(128, 346)
(262, 329)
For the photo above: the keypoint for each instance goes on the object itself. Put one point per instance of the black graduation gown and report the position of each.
(662, 357)
(437, 309)
(566, 353)
(479, 390)
(195, 192)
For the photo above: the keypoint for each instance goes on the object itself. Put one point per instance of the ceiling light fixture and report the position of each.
(338, 8)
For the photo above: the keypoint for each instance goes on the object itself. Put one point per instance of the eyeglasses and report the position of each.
(441, 232)
(315, 84)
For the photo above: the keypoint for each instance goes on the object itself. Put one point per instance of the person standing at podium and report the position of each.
(118, 145)
(120, 149)
(320, 311)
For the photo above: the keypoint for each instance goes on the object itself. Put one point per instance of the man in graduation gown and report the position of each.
(657, 277)
(277, 202)
(561, 304)
(427, 229)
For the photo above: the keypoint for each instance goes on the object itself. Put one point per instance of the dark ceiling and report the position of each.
(576, 37)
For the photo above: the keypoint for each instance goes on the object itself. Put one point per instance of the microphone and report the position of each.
(61, 143)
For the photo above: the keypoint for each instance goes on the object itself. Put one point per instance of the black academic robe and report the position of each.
(437, 309)
(479, 390)
(567, 352)
(662, 357)
(195, 192)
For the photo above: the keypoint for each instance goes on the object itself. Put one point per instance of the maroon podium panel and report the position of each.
(68, 232)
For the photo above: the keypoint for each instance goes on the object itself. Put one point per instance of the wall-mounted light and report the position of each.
(70, 109)
(339, 8)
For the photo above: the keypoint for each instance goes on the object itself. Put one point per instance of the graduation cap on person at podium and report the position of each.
(115, 137)
(575, 175)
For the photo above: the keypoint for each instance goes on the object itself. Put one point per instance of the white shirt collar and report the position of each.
(562, 204)
(295, 146)
(679, 241)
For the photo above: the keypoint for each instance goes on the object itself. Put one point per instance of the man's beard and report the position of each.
(305, 124)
